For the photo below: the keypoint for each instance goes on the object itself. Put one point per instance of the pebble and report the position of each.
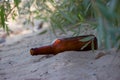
(2, 40)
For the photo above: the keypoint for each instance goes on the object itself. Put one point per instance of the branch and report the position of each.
(11, 11)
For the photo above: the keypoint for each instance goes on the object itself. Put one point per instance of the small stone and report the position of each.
(94, 74)
(99, 55)
(2, 40)
(91, 63)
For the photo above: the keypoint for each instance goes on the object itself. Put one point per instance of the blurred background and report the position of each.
(62, 17)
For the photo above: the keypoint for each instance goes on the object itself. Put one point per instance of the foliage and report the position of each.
(107, 14)
(7, 10)
(67, 14)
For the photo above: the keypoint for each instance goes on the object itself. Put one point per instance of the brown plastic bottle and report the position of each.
(66, 44)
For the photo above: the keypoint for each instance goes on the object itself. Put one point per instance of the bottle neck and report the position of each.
(44, 50)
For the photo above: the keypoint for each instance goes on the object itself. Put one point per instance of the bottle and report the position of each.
(67, 44)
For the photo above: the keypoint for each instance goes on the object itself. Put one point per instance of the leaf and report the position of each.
(86, 38)
(2, 14)
(81, 17)
(16, 2)
(85, 45)
(87, 8)
(43, 32)
(66, 16)
(7, 29)
(92, 45)
(118, 48)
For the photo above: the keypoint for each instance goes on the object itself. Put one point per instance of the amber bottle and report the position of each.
(66, 44)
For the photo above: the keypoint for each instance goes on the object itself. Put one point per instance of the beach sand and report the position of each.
(16, 63)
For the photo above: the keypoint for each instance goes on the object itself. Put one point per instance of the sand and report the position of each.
(16, 63)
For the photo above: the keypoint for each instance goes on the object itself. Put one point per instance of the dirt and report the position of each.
(16, 63)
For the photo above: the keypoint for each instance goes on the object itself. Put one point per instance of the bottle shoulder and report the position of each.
(56, 41)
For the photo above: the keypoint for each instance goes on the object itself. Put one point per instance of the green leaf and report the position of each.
(92, 45)
(81, 17)
(86, 39)
(66, 16)
(7, 29)
(2, 14)
(85, 45)
(43, 32)
(88, 7)
(16, 2)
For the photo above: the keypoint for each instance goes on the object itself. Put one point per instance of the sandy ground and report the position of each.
(16, 63)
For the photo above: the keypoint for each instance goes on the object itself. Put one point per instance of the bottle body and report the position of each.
(74, 44)
(66, 44)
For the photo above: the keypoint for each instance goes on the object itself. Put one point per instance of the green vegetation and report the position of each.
(102, 15)
(7, 10)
